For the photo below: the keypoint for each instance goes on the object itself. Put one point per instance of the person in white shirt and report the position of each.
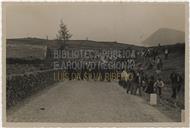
(159, 84)
(166, 53)
(124, 78)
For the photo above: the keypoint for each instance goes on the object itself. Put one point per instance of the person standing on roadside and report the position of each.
(124, 78)
(140, 82)
(130, 79)
(150, 87)
(179, 81)
(173, 78)
(134, 82)
(166, 53)
(159, 84)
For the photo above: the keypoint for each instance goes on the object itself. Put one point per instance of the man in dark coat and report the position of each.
(150, 87)
(173, 78)
(179, 81)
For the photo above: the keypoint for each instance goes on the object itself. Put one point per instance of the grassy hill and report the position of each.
(70, 43)
(28, 54)
(28, 48)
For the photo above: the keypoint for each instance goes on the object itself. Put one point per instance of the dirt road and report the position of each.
(83, 101)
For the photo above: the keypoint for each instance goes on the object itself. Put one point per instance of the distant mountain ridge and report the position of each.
(165, 36)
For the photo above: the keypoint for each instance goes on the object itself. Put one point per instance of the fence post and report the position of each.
(153, 99)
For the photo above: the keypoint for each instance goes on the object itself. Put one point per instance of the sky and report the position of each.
(122, 22)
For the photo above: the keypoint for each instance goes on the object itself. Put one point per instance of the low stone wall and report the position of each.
(19, 86)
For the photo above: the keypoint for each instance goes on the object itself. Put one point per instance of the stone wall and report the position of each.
(20, 86)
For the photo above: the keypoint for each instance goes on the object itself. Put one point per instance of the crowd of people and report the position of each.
(139, 82)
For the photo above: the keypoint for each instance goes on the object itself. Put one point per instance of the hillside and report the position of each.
(28, 48)
(24, 48)
(70, 43)
(165, 36)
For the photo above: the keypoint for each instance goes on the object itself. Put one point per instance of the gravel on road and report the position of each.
(85, 101)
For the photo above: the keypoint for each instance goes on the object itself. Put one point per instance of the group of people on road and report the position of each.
(138, 82)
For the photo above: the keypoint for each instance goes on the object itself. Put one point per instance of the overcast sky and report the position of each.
(125, 23)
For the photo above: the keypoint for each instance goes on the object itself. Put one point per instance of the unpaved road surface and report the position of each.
(85, 101)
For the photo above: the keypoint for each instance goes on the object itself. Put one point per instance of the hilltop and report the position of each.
(31, 48)
(71, 43)
(165, 36)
